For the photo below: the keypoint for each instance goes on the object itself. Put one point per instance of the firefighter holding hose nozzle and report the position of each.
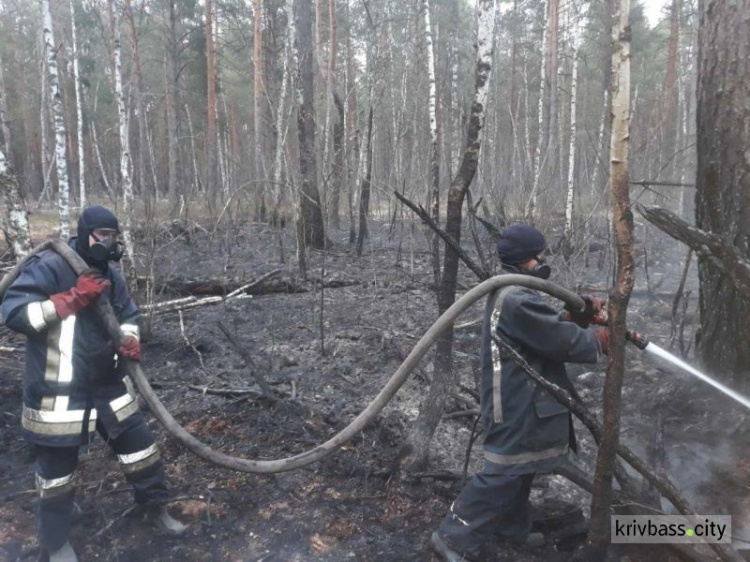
(73, 382)
(526, 430)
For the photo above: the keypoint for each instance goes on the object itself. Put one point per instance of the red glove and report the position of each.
(89, 286)
(594, 312)
(602, 335)
(131, 348)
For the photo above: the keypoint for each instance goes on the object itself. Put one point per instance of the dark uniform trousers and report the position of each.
(489, 504)
(55, 468)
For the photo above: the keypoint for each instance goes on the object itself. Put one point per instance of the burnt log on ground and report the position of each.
(181, 286)
(721, 252)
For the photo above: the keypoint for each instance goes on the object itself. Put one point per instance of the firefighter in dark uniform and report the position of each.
(74, 379)
(526, 430)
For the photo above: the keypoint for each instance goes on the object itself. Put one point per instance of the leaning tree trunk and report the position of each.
(420, 437)
(599, 534)
(723, 178)
(310, 220)
(63, 187)
(17, 225)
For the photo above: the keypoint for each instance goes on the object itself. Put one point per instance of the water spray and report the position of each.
(644, 344)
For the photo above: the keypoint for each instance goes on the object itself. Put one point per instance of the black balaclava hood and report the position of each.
(520, 243)
(91, 219)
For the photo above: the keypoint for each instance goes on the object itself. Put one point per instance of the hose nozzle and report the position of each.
(636, 339)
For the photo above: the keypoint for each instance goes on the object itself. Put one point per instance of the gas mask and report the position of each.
(541, 269)
(106, 249)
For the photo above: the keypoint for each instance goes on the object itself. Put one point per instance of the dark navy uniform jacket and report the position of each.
(526, 429)
(72, 377)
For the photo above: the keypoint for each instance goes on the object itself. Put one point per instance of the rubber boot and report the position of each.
(63, 554)
(160, 518)
(444, 551)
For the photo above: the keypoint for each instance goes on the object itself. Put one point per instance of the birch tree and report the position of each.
(258, 93)
(431, 410)
(4, 128)
(212, 108)
(123, 129)
(573, 132)
(434, 140)
(16, 226)
(79, 112)
(63, 187)
(622, 224)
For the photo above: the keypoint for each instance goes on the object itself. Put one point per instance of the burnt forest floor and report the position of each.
(353, 505)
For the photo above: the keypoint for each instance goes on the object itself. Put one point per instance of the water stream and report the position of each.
(664, 354)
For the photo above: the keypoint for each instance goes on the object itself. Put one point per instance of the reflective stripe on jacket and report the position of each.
(72, 379)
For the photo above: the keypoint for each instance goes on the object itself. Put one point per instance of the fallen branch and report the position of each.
(659, 481)
(713, 247)
(478, 270)
(264, 386)
(226, 391)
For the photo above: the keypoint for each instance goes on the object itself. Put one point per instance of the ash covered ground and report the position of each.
(354, 505)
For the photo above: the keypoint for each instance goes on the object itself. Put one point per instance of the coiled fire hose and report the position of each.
(134, 370)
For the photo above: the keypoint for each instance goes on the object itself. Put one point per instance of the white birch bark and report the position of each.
(63, 198)
(540, 138)
(573, 131)
(277, 191)
(196, 176)
(127, 180)
(4, 113)
(79, 113)
(17, 224)
(43, 122)
(434, 139)
(600, 144)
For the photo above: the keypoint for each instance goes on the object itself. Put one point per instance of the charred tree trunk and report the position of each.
(420, 437)
(310, 221)
(723, 178)
(599, 534)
